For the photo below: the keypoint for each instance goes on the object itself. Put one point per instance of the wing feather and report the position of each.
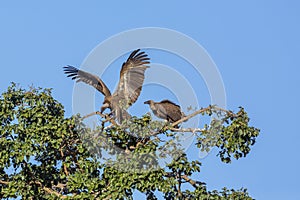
(82, 76)
(172, 110)
(132, 77)
(166, 101)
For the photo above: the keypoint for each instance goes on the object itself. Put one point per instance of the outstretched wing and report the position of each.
(82, 76)
(132, 77)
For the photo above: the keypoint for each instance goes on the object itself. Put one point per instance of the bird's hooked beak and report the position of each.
(147, 102)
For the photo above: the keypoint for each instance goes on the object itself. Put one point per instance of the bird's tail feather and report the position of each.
(121, 115)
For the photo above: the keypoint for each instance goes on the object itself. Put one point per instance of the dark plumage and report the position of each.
(166, 110)
(129, 86)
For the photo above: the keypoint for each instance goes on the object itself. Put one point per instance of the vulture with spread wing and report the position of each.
(166, 110)
(129, 86)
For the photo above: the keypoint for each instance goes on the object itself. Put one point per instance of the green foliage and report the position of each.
(45, 155)
(228, 131)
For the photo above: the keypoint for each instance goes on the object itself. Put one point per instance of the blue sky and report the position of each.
(255, 45)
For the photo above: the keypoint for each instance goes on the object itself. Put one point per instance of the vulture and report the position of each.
(130, 84)
(166, 109)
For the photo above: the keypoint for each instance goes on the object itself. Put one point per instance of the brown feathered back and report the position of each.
(166, 109)
(172, 110)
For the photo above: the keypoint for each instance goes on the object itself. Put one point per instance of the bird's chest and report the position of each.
(158, 110)
(120, 102)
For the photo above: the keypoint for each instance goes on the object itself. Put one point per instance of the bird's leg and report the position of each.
(110, 114)
(103, 107)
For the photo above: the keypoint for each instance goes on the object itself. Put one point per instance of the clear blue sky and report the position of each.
(255, 45)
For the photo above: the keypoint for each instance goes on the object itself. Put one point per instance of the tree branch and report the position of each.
(195, 184)
(190, 116)
(64, 165)
(46, 189)
(111, 120)
(61, 186)
(179, 184)
(187, 179)
(4, 182)
(202, 110)
(192, 130)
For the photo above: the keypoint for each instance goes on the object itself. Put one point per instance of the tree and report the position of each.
(45, 155)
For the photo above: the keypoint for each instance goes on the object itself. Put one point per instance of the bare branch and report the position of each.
(202, 110)
(64, 165)
(4, 182)
(189, 130)
(46, 189)
(111, 120)
(191, 115)
(60, 186)
(179, 184)
(91, 114)
(195, 184)
(187, 179)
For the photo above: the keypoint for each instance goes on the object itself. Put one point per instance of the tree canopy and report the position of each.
(45, 155)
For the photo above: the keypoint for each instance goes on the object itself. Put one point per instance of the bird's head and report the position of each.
(148, 102)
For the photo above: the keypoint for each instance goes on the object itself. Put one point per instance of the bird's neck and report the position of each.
(152, 106)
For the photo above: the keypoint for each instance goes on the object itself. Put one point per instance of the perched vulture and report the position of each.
(166, 110)
(128, 89)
